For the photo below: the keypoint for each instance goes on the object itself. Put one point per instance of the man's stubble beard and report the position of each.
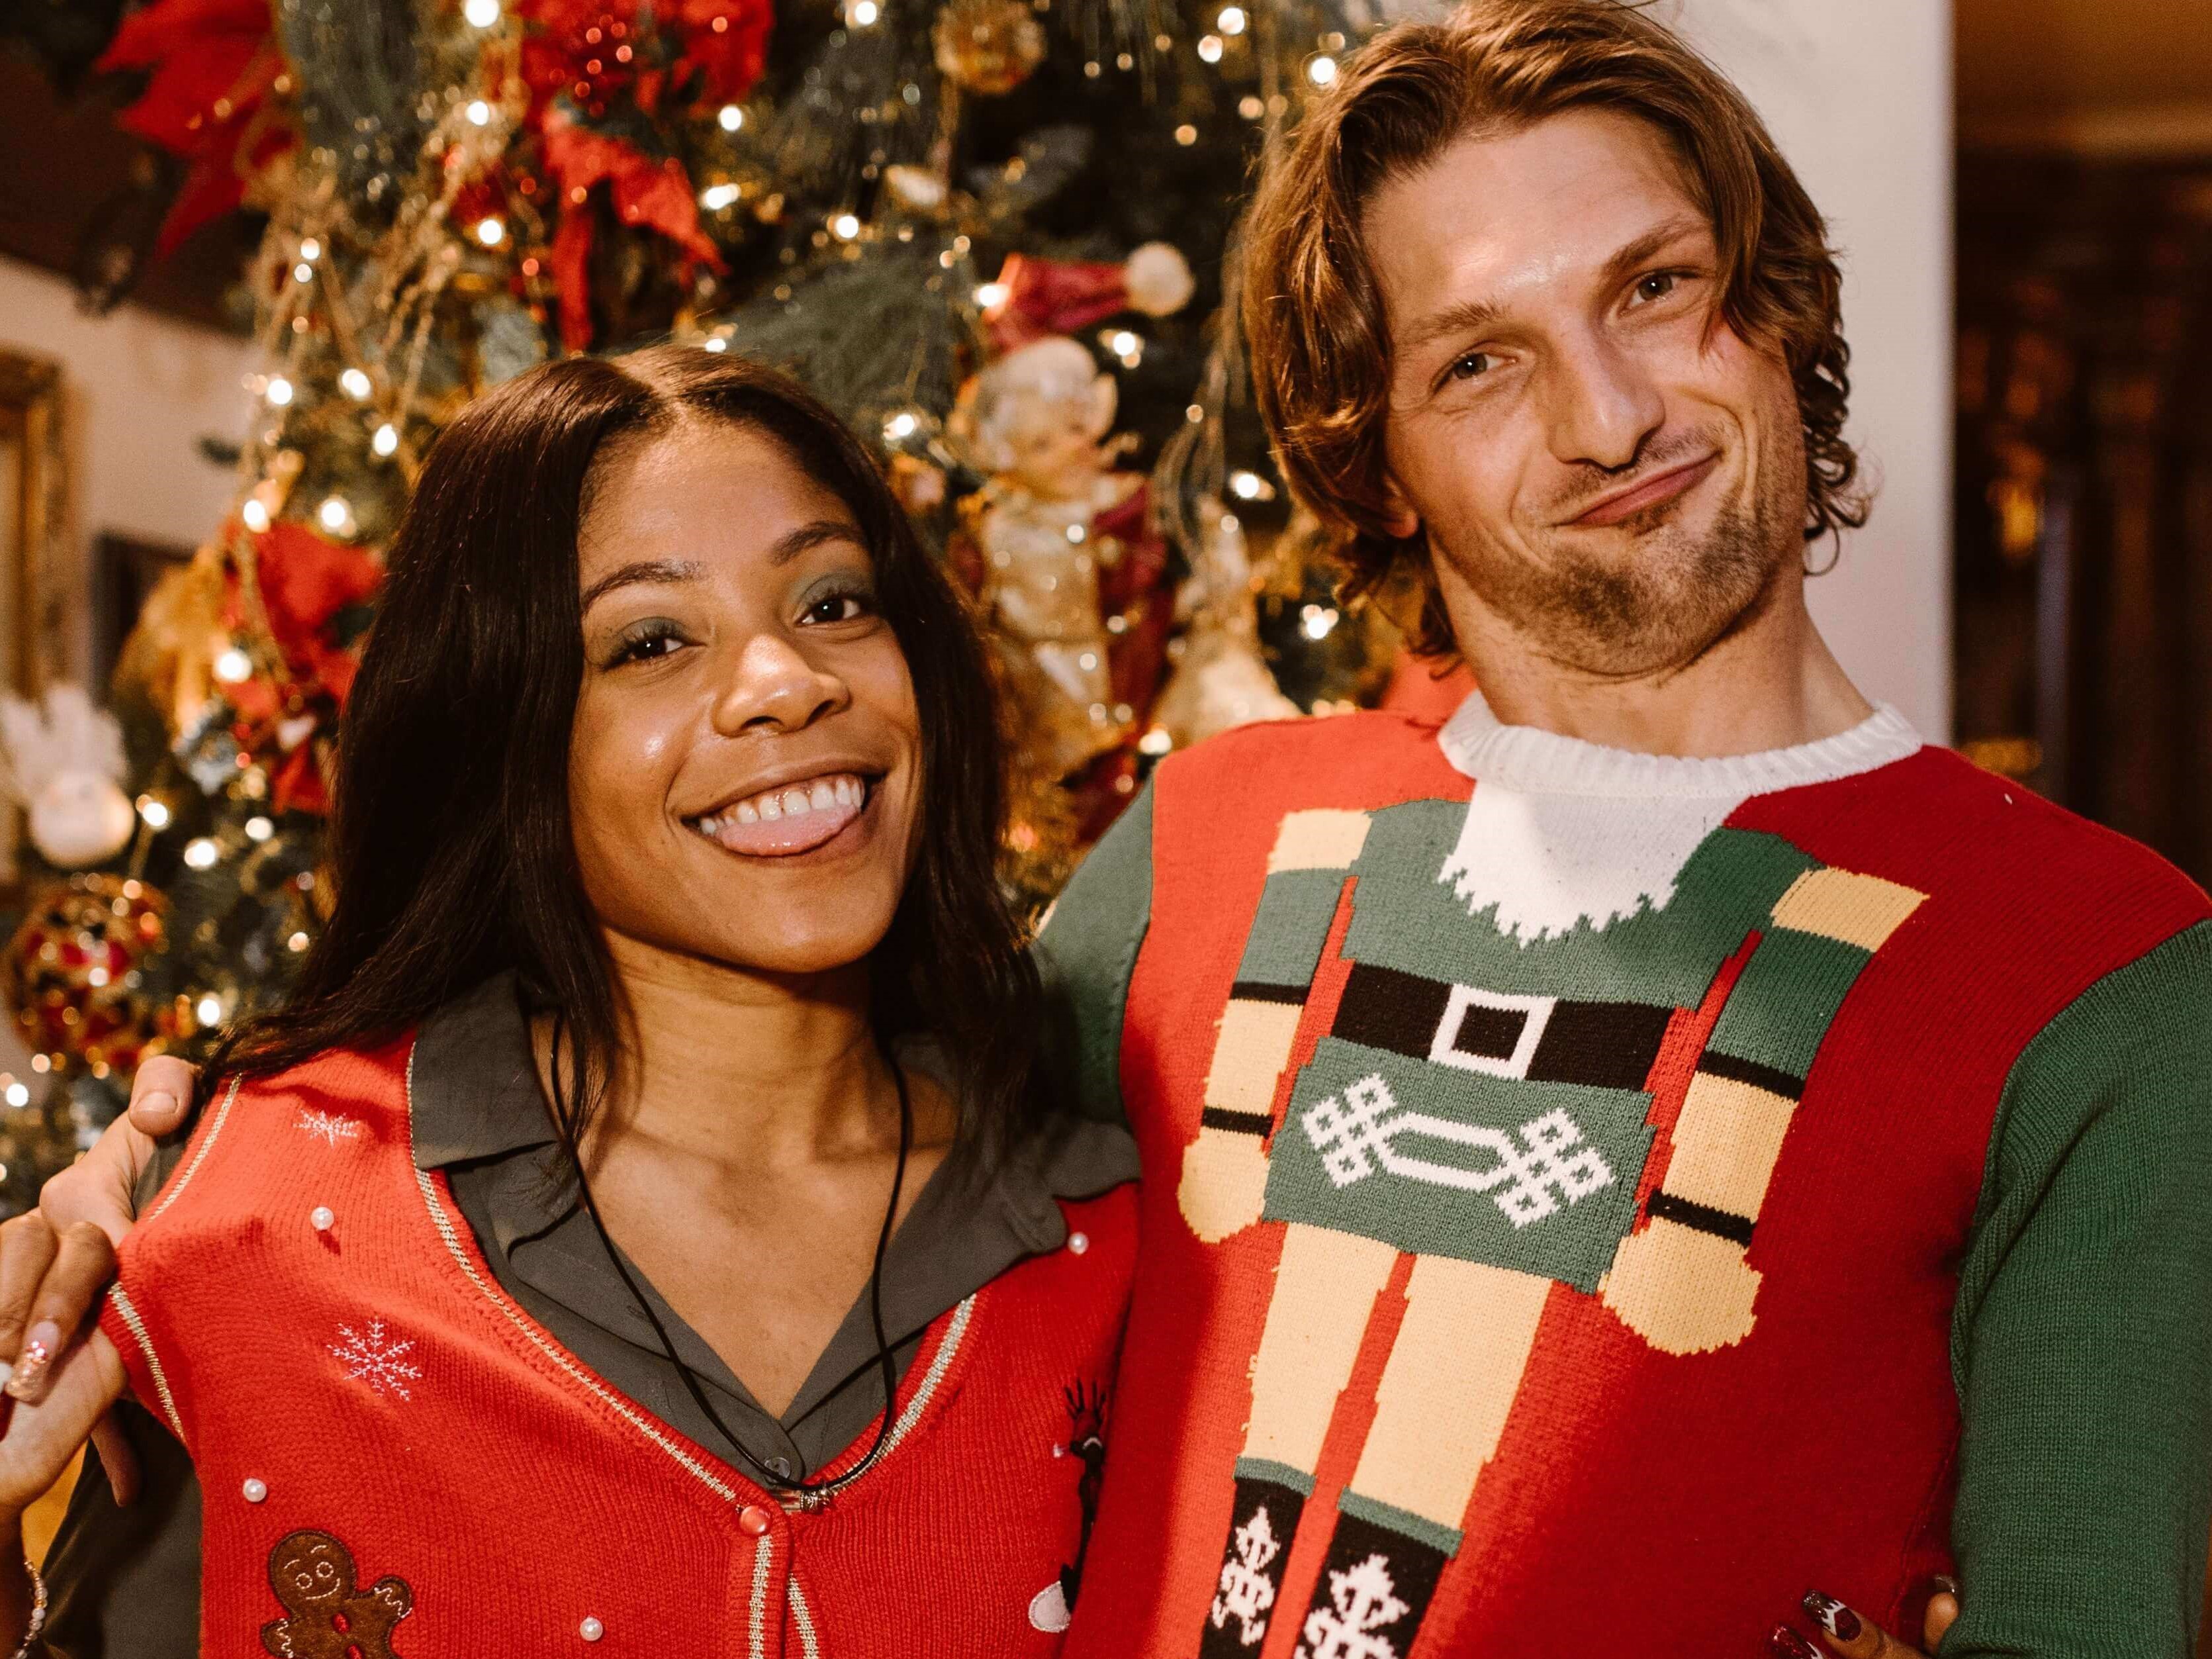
(1675, 596)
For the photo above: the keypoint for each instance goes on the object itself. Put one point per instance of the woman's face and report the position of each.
(744, 773)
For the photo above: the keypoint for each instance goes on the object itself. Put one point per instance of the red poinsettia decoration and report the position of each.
(588, 64)
(214, 66)
(310, 589)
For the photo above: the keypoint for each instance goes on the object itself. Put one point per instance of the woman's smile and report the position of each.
(785, 819)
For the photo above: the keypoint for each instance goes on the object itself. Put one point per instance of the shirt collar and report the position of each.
(1531, 761)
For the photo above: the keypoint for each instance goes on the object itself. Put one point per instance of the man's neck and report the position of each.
(1771, 683)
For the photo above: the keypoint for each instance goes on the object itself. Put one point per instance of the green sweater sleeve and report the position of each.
(2081, 1340)
(1086, 954)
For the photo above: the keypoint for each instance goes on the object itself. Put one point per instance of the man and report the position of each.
(1665, 1136)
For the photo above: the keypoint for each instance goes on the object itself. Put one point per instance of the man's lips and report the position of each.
(1647, 492)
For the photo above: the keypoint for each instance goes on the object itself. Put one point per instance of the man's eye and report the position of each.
(1472, 364)
(1657, 286)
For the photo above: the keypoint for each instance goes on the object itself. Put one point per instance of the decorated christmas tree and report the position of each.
(990, 232)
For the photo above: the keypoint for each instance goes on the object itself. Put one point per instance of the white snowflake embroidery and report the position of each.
(1247, 1590)
(1363, 1600)
(376, 1361)
(328, 1126)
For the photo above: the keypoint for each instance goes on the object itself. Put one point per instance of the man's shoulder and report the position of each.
(1354, 761)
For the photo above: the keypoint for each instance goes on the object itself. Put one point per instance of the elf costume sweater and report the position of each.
(1593, 1198)
(396, 1460)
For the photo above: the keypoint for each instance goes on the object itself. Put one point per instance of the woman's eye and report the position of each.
(648, 645)
(836, 608)
(1471, 366)
(1657, 286)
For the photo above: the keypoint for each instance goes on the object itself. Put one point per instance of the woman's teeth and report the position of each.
(792, 800)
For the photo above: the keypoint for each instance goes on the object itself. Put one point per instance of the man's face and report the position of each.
(1602, 467)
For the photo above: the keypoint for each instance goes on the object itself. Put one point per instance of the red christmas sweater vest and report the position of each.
(398, 1460)
(1511, 1286)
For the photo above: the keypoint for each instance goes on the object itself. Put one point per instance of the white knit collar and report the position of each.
(1530, 760)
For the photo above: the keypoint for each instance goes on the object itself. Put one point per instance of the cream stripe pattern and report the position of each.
(137, 1327)
(760, 1562)
(207, 1146)
(808, 1648)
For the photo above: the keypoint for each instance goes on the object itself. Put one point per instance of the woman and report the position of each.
(666, 939)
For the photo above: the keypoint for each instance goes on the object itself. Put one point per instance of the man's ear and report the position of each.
(1399, 517)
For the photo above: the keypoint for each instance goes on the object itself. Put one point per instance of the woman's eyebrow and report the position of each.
(640, 570)
(807, 537)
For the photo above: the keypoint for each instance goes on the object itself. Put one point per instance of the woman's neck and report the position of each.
(753, 1072)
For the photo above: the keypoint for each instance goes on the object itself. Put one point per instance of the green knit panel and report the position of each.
(2082, 1336)
(1086, 954)
(1787, 998)
(1285, 944)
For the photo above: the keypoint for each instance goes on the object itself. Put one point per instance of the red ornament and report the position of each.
(73, 971)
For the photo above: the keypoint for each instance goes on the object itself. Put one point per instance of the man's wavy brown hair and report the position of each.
(1314, 312)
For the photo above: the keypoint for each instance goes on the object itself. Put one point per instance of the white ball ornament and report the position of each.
(1160, 282)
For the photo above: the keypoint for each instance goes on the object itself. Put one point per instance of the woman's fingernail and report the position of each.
(31, 1365)
(1787, 1643)
(1832, 1616)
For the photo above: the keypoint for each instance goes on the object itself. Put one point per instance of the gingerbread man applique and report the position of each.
(326, 1617)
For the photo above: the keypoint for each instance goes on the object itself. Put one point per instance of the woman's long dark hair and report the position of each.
(450, 845)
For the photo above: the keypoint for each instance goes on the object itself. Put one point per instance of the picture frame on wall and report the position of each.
(33, 500)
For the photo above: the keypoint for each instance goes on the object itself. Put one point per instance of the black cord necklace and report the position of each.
(811, 1492)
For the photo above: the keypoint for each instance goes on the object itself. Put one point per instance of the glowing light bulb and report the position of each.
(481, 13)
(478, 112)
(334, 512)
(1209, 49)
(208, 1010)
(18, 1095)
(731, 117)
(990, 294)
(279, 392)
(355, 384)
(1232, 20)
(846, 226)
(718, 343)
(233, 667)
(715, 197)
(1322, 71)
(254, 515)
(303, 272)
(386, 439)
(310, 248)
(862, 14)
(1186, 135)
(490, 232)
(154, 810)
(258, 828)
(200, 853)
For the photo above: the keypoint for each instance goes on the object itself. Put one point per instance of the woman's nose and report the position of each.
(774, 685)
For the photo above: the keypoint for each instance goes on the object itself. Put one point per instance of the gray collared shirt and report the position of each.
(125, 1584)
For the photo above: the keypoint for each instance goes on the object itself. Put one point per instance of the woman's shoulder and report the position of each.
(256, 1131)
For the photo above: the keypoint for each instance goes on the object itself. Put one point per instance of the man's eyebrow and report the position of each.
(640, 570)
(807, 537)
(1645, 247)
(1472, 316)
(1467, 317)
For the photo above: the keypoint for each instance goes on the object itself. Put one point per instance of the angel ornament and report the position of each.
(1058, 537)
(63, 764)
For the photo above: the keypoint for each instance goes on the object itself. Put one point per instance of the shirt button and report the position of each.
(782, 1466)
(591, 1630)
(1079, 1242)
(753, 1520)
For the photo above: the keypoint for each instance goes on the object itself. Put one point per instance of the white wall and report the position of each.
(139, 392)
(1859, 97)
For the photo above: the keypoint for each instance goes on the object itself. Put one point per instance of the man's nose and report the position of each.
(1603, 403)
(776, 686)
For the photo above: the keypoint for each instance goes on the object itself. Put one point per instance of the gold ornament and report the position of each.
(74, 971)
(989, 46)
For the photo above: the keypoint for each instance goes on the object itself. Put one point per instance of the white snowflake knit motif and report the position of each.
(1247, 1590)
(1363, 1600)
(374, 1359)
(328, 1126)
